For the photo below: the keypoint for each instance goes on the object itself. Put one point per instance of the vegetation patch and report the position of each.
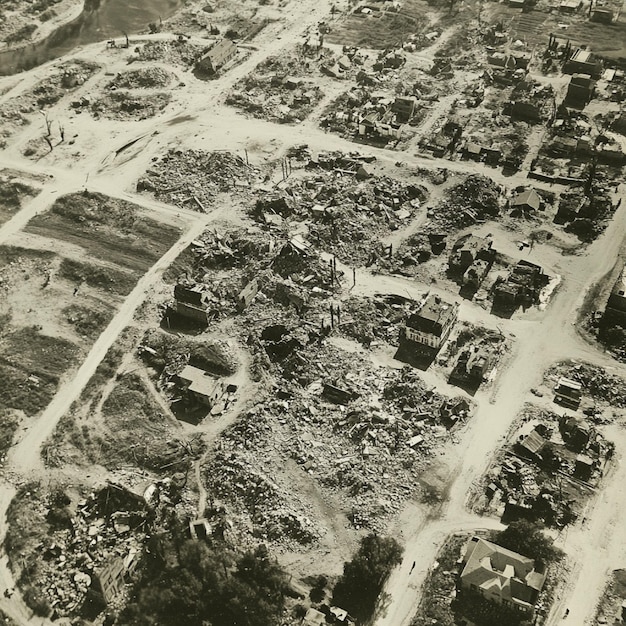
(86, 321)
(363, 578)
(12, 194)
(97, 276)
(133, 429)
(107, 229)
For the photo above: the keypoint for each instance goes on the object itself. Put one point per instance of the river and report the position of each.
(109, 20)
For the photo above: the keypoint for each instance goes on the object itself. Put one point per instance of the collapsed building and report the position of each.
(521, 286)
(471, 258)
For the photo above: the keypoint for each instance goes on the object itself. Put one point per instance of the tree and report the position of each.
(195, 584)
(528, 539)
(364, 576)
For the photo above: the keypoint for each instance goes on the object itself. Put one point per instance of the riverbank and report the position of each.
(15, 19)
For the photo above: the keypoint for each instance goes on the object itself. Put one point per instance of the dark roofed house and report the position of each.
(501, 576)
(431, 324)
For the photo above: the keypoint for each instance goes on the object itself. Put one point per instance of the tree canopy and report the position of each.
(527, 539)
(197, 585)
(364, 576)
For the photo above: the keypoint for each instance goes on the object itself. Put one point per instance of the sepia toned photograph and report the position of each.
(312, 312)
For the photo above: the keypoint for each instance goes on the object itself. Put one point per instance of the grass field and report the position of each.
(31, 365)
(385, 30)
(108, 229)
(608, 40)
(98, 277)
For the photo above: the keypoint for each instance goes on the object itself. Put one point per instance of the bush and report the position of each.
(37, 601)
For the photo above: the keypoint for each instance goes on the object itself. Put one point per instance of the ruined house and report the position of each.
(471, 367)
(109, 580)
(431, 324)
(404, 108)
(247, 294)
(192, 302)
(468, 249)
(501, 576)
(580, 89)
(568, 392)
(531, 446)
(522, 285)
(615, 312)
(583, 62)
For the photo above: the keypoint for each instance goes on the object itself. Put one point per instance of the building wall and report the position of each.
(494, 595)
(191, 312)
(424, 338)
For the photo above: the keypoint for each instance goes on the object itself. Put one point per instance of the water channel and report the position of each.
(100, 20)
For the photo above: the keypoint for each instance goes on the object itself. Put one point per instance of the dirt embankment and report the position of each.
(24, 22)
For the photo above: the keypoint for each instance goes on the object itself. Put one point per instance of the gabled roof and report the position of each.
(199, 381)
(529, 197)
(533, 442)
(502, 572)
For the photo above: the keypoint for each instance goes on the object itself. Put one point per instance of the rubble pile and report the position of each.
(596, 381)
(347, 210)
(142, 78)
(367, 319)
(79, 539)
(277, 91)
(546, 470)
(232, 248)
(259, 494)
(125, 105)
(473, 199)
(361, 432)
(176, 52)
(192, 179)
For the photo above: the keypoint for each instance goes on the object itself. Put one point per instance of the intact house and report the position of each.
(527, 201)
(501, 576)
(198, 387)
(222, 52)
(431, 324)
